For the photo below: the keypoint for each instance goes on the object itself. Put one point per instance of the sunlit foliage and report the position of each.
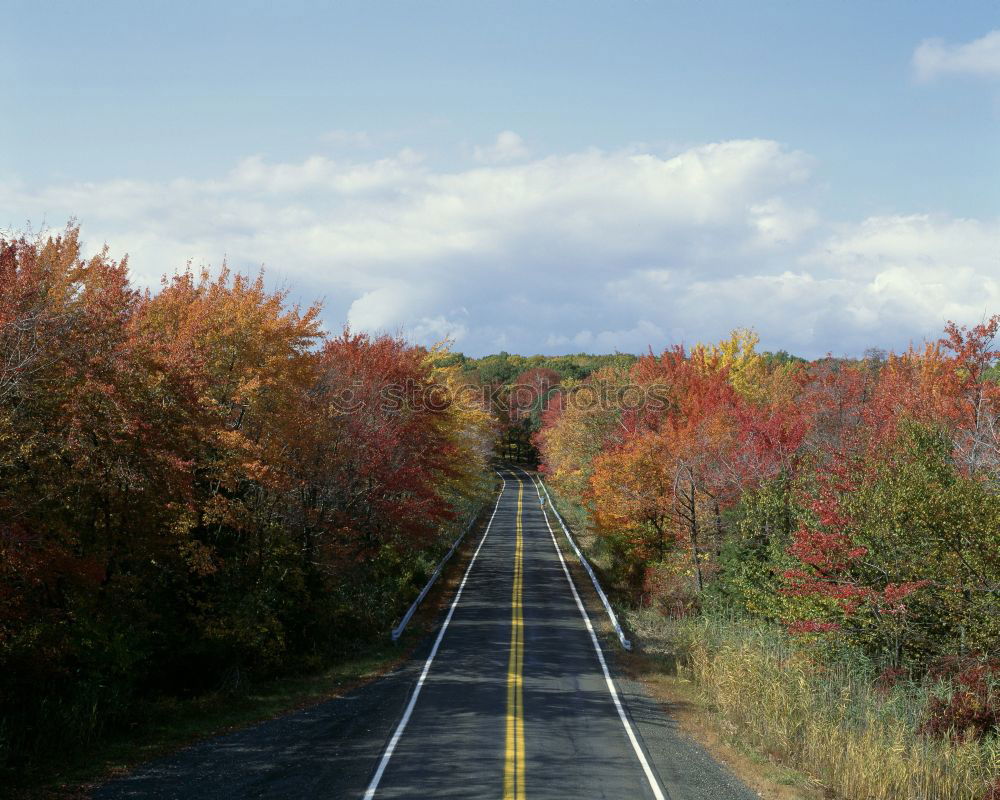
(199, 487)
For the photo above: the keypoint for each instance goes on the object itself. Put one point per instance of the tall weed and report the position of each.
(824, 711)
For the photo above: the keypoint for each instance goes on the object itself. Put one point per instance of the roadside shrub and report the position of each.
(820, 710)
(971, 709)
(667, 588)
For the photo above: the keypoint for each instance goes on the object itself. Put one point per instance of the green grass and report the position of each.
(593, 546)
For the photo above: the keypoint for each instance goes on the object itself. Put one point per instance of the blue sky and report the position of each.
(543, 176)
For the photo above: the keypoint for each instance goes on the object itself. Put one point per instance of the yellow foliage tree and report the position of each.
(738, 355)
(467, 424)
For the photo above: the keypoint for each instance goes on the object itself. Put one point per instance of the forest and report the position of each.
(186, 500)
(201, 488)
(830, 525)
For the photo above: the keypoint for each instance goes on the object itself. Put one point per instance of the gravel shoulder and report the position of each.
(687, 770)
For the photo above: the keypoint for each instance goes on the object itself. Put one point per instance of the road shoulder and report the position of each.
(683, 737)
(189, 734)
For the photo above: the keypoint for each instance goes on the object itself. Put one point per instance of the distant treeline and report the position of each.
(518, 388)
(505, 368)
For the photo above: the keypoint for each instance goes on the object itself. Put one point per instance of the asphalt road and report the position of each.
(510, 698)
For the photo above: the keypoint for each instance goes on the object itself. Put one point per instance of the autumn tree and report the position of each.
(198, 487)
(582, 419)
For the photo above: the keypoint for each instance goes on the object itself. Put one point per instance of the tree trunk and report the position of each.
(693, 510)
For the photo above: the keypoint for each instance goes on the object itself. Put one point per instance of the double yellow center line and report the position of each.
(513, 774)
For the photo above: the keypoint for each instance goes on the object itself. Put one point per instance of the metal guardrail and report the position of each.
(586, 565)
(398, 630)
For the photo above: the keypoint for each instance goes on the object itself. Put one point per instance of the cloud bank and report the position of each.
(592, 250)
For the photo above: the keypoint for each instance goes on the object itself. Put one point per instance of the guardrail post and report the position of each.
(398, 630)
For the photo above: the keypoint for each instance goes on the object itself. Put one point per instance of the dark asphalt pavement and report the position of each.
(455, 743)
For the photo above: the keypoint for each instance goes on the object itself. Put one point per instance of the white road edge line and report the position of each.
(370, 793)
(650, 777)
(586, 565)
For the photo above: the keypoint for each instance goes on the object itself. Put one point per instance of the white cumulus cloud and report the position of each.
(592, 250)
(980, 58)
(507, 147)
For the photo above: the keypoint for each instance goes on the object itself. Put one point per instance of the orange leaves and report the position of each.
(630, 485)
(240, 343)
(665, 472)
(919, 385)
(209, 456)
(580, 421)
(972, 348)
(856, 496)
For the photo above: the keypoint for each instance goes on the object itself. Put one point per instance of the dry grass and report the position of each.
(685, 703)
(826, 720)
